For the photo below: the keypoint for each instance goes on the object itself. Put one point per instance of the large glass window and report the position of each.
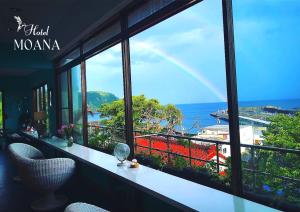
(267, 44)
(40, 102)
(105, 99)
(77, 103)
(179, 95)
(1, 110)
(64, 98)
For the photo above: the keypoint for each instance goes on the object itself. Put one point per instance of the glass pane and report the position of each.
(1, 111)
(64, 89)
(105, 99)
(103, 36)
(267, 44)
(65, 116)
(77, 103)
(45, 105)
(147, 9)
(38, 100)
(179, 87)
(42, 99)
(69, 57)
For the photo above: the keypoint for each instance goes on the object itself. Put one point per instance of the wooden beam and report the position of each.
(84, 104)
(232, 97)
(127, 87)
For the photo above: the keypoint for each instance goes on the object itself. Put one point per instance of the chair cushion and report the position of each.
(83, 207)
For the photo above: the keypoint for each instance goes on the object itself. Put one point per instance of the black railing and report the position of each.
(190, 145)
(194, 143)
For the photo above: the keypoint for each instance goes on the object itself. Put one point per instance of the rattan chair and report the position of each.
(42, 175)
(83, 207)
(32, 153)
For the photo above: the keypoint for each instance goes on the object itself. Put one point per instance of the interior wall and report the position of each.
(36, 79)
(15, 100)
(17, 93)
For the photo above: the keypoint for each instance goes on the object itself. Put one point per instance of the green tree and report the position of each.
(283, 132)
(97, 98)
(173, 116)
(148, 115)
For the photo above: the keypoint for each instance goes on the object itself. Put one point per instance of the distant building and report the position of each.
(221, 133)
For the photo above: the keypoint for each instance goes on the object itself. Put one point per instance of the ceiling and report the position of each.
(68, 21)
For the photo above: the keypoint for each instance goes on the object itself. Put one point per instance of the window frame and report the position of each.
(123, 37)
(41, 93)
(3, 110)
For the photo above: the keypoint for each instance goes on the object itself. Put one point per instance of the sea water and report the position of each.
(197, 116)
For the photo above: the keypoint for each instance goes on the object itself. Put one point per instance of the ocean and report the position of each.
(196, 116)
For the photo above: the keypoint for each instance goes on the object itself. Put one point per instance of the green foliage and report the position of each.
(97, 98)
(158, 161)
(173, 116)
(154, 160)
(148, 115)
(113, 114)
(183, 142)
(180, 162)
(283, 132)
(104, 139)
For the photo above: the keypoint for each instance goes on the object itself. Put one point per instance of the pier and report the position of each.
(242, 119)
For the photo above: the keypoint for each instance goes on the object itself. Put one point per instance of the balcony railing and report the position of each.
(192, 144)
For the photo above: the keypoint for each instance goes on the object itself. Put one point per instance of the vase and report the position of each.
(70, 141)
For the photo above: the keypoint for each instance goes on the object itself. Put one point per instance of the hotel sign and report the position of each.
(40, 43)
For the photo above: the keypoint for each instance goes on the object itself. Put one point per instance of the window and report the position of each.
(41, 103)
(105, 99)
(179, 88)
(1, 111)
(77, 104)
(64, 98)
(180, 114)
(267, 44)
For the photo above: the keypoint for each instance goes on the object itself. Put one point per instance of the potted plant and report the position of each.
(66, 132)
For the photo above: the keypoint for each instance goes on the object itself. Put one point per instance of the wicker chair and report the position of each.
(31, 152)
(42, 175)
(83, 207)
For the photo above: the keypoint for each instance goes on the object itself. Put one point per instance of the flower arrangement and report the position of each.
(66, 131)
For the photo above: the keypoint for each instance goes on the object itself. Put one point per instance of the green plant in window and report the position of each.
(98, 138)
(104, 138)
(159, 160)
(180, 162)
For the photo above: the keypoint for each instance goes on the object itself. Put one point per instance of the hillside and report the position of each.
(96, 98)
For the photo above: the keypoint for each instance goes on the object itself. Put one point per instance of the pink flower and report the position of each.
(60, 131)
(71, 125)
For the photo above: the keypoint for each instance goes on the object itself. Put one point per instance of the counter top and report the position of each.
(179, 192)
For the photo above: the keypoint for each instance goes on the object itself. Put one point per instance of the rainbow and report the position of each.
(184, 67)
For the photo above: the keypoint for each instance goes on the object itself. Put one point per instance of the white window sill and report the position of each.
(176, 191)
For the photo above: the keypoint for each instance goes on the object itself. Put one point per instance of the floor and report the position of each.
(15, 197)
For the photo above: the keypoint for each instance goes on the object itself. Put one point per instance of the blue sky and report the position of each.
(181, 60)
(267, 35)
